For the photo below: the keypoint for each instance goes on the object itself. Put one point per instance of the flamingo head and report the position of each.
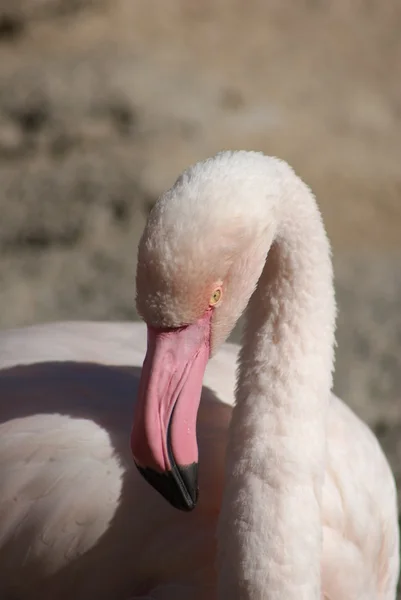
(199, 260)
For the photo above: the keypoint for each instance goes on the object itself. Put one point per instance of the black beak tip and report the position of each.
(178, 486)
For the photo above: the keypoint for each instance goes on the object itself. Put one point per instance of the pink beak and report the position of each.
(163, 438)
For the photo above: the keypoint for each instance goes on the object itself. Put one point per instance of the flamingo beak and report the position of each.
(163, 438)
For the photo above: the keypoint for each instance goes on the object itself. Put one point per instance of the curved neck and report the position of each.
(270, 533)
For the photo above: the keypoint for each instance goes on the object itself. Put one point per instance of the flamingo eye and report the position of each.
(215, 297)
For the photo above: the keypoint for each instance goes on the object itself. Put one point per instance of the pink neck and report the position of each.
(270, 525)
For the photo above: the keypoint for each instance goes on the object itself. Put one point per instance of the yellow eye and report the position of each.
(215, 297)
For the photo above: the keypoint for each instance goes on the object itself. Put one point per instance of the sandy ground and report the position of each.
(103, 103)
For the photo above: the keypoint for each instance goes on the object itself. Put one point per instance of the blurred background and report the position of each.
(104, 102)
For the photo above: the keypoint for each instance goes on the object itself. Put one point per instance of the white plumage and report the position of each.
(77, 521)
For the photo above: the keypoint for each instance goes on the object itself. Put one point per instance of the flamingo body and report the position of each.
(77, 521)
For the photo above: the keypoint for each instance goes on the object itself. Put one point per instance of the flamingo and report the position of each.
(293, 497)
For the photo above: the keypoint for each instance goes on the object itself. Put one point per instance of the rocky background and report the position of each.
(103, 102)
